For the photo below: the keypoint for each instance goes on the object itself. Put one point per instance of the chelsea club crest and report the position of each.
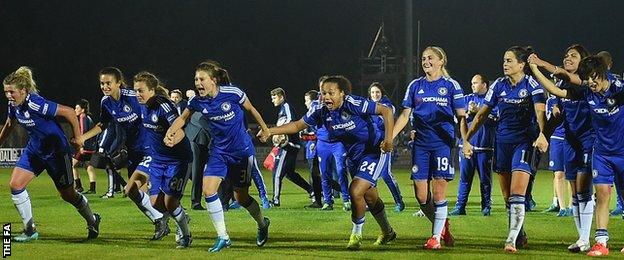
(226, 106)
(154, 118)
(126, 108)
(523, 93)
(442, 91)
(26, 114)
(345, 115)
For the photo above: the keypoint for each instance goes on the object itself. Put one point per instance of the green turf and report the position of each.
(294, 233)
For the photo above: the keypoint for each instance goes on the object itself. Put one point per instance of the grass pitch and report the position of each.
(295, 232)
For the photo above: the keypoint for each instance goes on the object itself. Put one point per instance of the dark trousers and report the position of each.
(315, 179)
(200, 157)
(285, 167)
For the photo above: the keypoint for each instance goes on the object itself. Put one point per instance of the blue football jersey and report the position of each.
(157, 116)
(433, 107)
(577, 116)
(484, 137)
(607, 113)
(559, 132)
(321, 132)
(226, 119)
(517, 120)
(36, 115)
(350, 124)
(126, 113)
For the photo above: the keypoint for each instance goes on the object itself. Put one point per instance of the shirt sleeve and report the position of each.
(285, 115)
(313, 116)
(242, 98)
(360, 106)
(42, 106)
(168, 111)
(618, 87)
(408, 99)
(537, 91)
(458, 96)
(193, 105)
(240, 95)
(491, 97)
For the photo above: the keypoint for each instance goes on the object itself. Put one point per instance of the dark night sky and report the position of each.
(264, 44)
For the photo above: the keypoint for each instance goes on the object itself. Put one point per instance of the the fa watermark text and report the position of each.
(6, 240)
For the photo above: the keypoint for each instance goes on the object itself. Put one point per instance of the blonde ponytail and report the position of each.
(162, 90)
(22, 78)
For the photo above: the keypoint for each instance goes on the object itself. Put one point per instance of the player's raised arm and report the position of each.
(555, 70)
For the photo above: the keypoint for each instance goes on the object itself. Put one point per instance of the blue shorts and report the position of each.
(370, 167)
(607, 167)
(432, 164)
(135, 159)
(167, 177)
(58, 166)
(515, 157)
(556, 160)
(235, 166)
(141, 165)
(578, 158)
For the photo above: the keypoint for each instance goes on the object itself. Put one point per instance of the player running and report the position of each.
(120, 105)
(347, 119)
(166, 166)
(47, 149)
(231, 149)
